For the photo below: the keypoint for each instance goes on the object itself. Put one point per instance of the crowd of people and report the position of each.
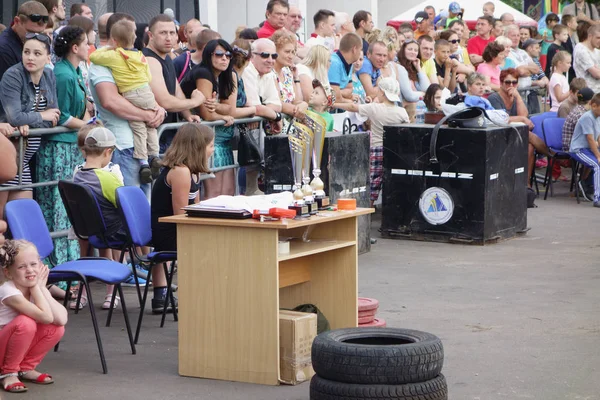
(113, 81)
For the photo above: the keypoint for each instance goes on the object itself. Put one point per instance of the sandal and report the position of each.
(82, 304)
(17, 387)
(106, 304)
(40, 380)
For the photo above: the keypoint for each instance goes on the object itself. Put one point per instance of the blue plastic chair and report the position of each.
(25, 221)
(135, 212)
(537, 120)
(80, 203)
(552, 130)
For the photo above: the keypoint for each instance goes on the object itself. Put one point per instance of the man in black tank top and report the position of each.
(162, 37)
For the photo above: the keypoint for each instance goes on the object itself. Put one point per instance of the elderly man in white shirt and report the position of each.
(525, 65)
(261, 88)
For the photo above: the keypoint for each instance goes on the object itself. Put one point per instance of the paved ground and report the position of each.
(518, 319)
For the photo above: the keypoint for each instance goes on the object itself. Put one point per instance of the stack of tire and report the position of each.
(367, 313)
(377, 364)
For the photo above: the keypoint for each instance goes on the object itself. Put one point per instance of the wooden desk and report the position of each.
(232, 283)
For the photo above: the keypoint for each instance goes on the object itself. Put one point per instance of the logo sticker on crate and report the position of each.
(436, 206)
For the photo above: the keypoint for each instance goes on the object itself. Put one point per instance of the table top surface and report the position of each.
(323, 216)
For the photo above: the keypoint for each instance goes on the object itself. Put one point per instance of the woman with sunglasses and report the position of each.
(59, 154)
(509, 99)
(28, 101)
(286, 73)
(413, 80)
(214, 77)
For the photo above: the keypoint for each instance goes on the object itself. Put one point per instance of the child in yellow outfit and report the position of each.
(131, 72)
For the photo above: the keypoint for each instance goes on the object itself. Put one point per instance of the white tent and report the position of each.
(473, 9)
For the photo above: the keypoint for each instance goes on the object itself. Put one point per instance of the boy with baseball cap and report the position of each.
(382, 112)
(98, 147)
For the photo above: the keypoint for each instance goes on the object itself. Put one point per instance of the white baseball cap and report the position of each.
(391, 88)
(100, 137)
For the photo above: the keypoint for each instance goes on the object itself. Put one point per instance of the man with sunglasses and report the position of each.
(31, 17)
(262, 88)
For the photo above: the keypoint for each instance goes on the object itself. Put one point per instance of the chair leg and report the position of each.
(96, 329)
(548, 179)
(170, 298)
(135, 277)
(65, 304)
(112, 304)
(126, 315)
(573, 174)
(142, 307)
(533, 180)
(79, 294)
(578, 179)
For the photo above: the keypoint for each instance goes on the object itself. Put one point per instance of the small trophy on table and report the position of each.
(297, 150)
(318, 125)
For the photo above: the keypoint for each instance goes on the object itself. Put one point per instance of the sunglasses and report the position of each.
(511, 83)
(241, 51)
(220, 54)
(36, 18)
(265, 55)
(454, 41)
(42, 37)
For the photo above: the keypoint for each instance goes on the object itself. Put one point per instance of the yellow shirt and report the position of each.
(429, 67)
(130, 68)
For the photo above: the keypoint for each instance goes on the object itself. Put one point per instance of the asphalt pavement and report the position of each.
(519, 319)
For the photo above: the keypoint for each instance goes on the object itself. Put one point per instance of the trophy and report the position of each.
(306, 135)
(297, 150)
(318, 125)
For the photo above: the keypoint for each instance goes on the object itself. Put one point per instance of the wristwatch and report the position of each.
(277, 116)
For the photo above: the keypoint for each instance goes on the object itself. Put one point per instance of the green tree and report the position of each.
(516, 4)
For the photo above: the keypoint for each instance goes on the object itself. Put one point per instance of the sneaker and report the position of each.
(145, 174)
(597, 204)
(158, 305)
(131, 281)
(585, 195)
(155, 166)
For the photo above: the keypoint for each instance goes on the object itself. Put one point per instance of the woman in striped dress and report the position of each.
(28, 101)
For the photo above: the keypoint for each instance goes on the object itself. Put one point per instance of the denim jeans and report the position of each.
(130, 168)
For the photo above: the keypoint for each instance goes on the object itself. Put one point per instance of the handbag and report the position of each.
(249, 147)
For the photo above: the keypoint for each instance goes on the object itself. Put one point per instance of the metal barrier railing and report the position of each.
(49, 131)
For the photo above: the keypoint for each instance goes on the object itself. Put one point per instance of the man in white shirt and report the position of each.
(324, 29)
(261, 87)
(524, 64)
(586, 59)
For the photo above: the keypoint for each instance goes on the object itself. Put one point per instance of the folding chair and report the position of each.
(25, 221)
(135, 212)
(552, 130)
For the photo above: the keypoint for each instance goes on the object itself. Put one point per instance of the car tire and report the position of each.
(387, 356)
(323, 389)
